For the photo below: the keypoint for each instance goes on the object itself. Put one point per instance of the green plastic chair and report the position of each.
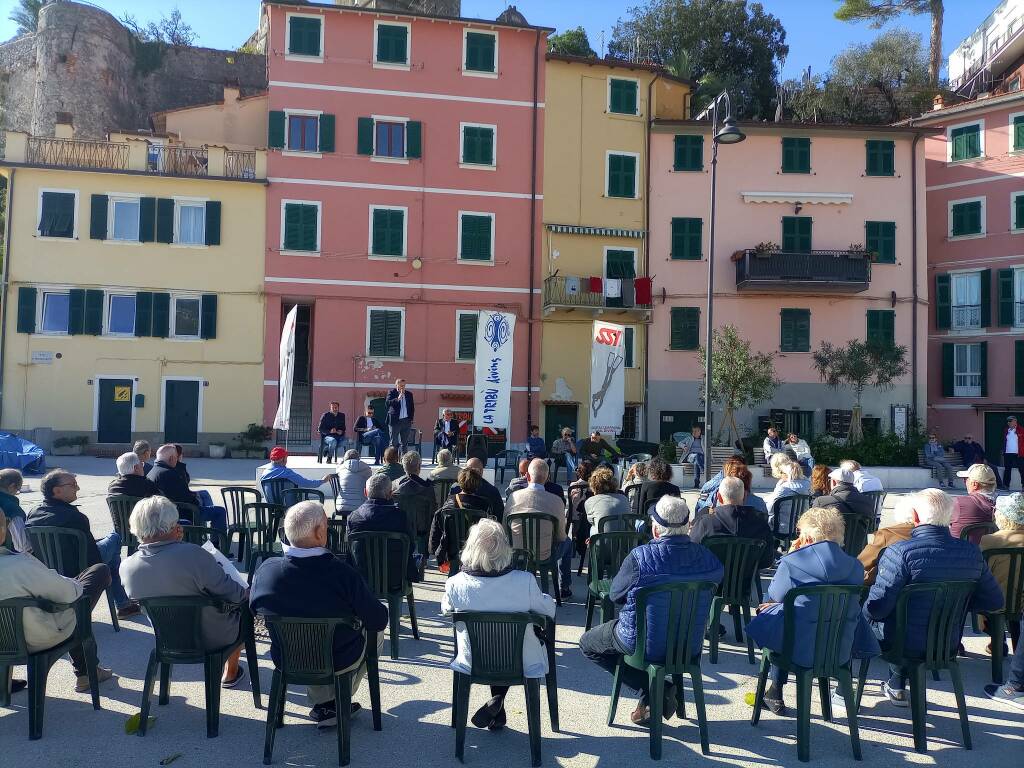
(335, 482)
(833, 601)
(63, 550)
(506, 461)
(235, 498)
(265, 541)
(784, 515)
(456, 526)
(950, 600)
(272, 489)
(307, 658)
(1013, 608)
(442, 489)
(374, 556)
(606, 553)
(419, 508)
(121, 507)
(292, 496)
(178, 630)
(614, 523)
(855, 536)
(188, 511)
(878, 499)
(496, 653)
(14, 652)
(522, 560)
(536, 527)
(684, 620)
(741, 558)
(337, 541)
(969, 530)
(200, 534)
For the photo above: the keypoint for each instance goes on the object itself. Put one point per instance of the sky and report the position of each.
(813, 34)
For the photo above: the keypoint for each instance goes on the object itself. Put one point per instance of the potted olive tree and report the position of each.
(251, 442)
(69, 446)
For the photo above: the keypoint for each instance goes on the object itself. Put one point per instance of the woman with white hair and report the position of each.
(900, 530)
(791, 481)
(1010, 519)
(487, 582)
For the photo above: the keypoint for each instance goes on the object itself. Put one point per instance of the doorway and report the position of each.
(678, 421)
(556, 418)
(114, 410)
(181, 410)
(995, 430)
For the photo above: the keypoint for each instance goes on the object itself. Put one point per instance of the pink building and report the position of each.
(405, 174)
(815, 242)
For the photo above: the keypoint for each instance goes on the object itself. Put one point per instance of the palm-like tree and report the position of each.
(878, 12)
(26, 15)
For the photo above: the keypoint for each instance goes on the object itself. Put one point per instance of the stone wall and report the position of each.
(432, 7)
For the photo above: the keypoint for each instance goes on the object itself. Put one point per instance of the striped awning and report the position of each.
(571, 229)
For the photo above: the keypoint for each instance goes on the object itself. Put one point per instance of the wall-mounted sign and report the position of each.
(42, 358)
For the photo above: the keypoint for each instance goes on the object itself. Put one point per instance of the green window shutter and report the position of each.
(880, 158)
(164, 220)
(143, 313)
(623, 96)
(966, 218)
(467, 336)
(475, 238)
(796, 154)
(76, 311)
(689, 153)
(26, 309)
(966, 142)
(685, 328)
(880, 239)
(1018, 132)
(943, 302)
(161, 315)
(292, 239)
(984, 368)
(1018, 358)
(308, 238)
(796, 234)
(98, 218)
(93, 324)
(147, 219)
(479, 52)
(275, 130)
(1018, 211)
(378, 327)
(365, 136)
(388, 232)
(1004, 292)
(629, 342)
(326, 133)
(686, 238)
(620, 265)
(213, 222)
(392, 44)
(948, 353)
(478, 145)
(208, 316)
(413, 139)
(986, 298)
(385, 333)
(881, 326)
(304, 36)
(621, 176)
(796, 330)
(57, 218)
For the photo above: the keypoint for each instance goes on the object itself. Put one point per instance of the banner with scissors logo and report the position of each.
(495, 333)
(607, 378)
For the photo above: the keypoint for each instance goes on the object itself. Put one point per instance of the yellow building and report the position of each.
(596, 179)
(134, 289)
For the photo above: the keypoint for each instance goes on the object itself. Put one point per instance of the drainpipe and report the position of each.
(913, 261)
(647, 247)
(533, 235)
(5, 281)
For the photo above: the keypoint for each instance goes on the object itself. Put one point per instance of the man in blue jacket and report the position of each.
(931, 554)
(381, 513)
(670, 557)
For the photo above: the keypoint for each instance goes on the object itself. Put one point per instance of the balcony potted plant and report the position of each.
(69, 446)
(251, 442)
(218, 450)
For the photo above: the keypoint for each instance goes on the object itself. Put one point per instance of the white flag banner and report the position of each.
(287, 370)
(495, 334)
(607, 378)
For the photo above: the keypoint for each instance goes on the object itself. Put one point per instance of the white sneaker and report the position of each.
(102, 674)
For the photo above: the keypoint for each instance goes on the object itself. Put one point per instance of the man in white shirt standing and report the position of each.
(1013, 451)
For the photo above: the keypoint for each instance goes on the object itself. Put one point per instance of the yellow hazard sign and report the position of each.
(122, 394)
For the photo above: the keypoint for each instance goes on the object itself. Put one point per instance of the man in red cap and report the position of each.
(279, 470)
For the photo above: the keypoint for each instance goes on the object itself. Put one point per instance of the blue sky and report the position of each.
(813, 34)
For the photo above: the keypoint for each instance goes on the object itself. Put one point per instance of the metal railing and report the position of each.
(573, 291)
(967, 316)
(177, 160)
(967, 385)
(78, 153)
(1018, 315)
(834, 270)
(239, 164)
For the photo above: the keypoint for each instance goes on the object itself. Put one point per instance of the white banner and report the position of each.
(495, 335)
(607, 378)
(286, 371)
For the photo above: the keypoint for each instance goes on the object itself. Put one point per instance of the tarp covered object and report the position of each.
(18, 453)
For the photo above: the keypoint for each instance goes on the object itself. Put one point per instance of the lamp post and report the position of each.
(725, 132)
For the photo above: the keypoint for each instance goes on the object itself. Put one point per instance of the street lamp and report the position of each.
(726, 132)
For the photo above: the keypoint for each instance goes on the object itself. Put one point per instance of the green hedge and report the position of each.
(876, 450)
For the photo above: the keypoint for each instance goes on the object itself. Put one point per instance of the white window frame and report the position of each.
(193, 201)
(636, 357)
(377, 23)
(637, 182)
(1018, 297)
(952, 299)
(319, 223)
(984, 218)
(163, 402)
(172, 330)
(465, 51)
(608, 96)
(981, 141)
(478, 262)
(39, 215)
(979, 373)
(1009, 134)
(459, 313)
(122, 197)
(107, 298)
(405, 233)
(96, 396)
(494, 147)
(401, 347)
(41, 292)
(288, 129)
(289, 56)
(375, 158)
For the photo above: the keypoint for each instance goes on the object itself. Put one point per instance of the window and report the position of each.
(1018, 297)
(300, 226)
(1017, 212)
(965, 142)
(384, 332)
(389, 139)
(630, 422)
(620, 174)
(796, 154)
(387, 232)
(186, 317)
(619, 264)
(689, 153)
(189, 222)
(966, 289)
(622, 96)
(56, 312)
(121, 314)
(155, 156)
(391, 44)
(1014, 85)
(629, 344)
(686, 238)
(880, 158)
(303, 133)
(880, 239)
(305, 36)
(480, 52)
(685, 330)
(58, 214)
(465, 335)
(796, 330)
(1017, 132)
(967, 370)
(881, 327)
(478, 144)
(476, 236)
(967, 217)
(124, 219)
(796, 234)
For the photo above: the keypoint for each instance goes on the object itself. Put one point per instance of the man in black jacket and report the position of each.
(381, 513)
(174, 485)
(371, 431)
(401, 411)
(332, 428)
(845, 497)
(731, 518)
(130, 480)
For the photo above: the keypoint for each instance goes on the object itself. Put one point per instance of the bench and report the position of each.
(951, 456)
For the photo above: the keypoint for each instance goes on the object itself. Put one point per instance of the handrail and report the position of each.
(78, 153)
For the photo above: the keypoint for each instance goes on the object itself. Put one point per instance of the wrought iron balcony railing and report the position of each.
(966, 316)
(240, 164)
(78, 153)
(571, 292)
(825, 271)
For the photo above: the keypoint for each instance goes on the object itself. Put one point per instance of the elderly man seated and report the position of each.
(380, 513)
(864, 481)
(733, 518)
(279, 471)
(392, 467)
(10, 486)
(166, 566)
(353, 473)
(144, 451)
(670, 557)
(174, 485)
(310, 582)
(22, 575)
(412, 483)
(131, 480)
(445, 469)
(845, 497)
(979, 505)
(536, 498)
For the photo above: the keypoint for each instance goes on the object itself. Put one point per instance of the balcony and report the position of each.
(816, 271)
(1018, 314)
(966, 316)
(570, 292)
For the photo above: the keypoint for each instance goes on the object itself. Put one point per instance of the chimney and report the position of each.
(938, 102)
(64, 127)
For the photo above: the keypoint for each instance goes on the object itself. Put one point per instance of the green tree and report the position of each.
(878, 12)
(857, 366)
(170, 30)
(740, 378)
(26, 15)
(572, 42)
(727, 43)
